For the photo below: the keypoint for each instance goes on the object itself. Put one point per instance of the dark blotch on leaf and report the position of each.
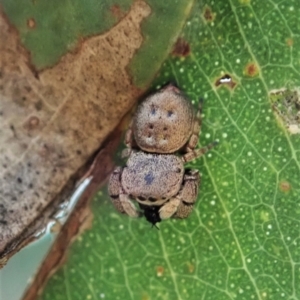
(181, 48)
(208, 14)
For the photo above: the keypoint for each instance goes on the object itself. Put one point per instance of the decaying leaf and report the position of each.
(53, 120)
(81, 217)
(286, 105)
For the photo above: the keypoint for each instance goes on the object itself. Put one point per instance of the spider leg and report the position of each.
(119, 198)
(182, 204)
(193, 140)
(128, 140)
(198, 152)
(188, 194)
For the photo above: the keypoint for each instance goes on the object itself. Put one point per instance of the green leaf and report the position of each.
(65, 72)
(50, 35)
(242, 240)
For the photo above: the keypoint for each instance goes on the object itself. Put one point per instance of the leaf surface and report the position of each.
(242, 240)
(66, 83)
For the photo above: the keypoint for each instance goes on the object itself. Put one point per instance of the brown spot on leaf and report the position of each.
(191, 267)
(117, 12)
(146, 296)
(285, 186)
(31, 23)
(181, 48)
(251, 69)
(208, 14)
(290, 42)
(226, 80)
(160, 271)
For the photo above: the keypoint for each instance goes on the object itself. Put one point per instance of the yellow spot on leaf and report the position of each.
(251, 69)
(285, 186)
(160, 271)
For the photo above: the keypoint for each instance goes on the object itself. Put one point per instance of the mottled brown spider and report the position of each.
(161, 139)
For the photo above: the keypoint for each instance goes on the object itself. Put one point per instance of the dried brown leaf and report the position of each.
(52, 121)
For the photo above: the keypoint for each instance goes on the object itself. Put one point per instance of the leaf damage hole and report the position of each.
(226, 80)
(208, 14)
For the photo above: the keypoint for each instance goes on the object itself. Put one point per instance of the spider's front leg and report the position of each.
(182, 204)
(128, 141)
(188, 194)
(193, 140)
(119, 198)
(190, 152)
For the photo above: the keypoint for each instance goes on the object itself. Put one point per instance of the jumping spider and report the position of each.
(164, 127)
